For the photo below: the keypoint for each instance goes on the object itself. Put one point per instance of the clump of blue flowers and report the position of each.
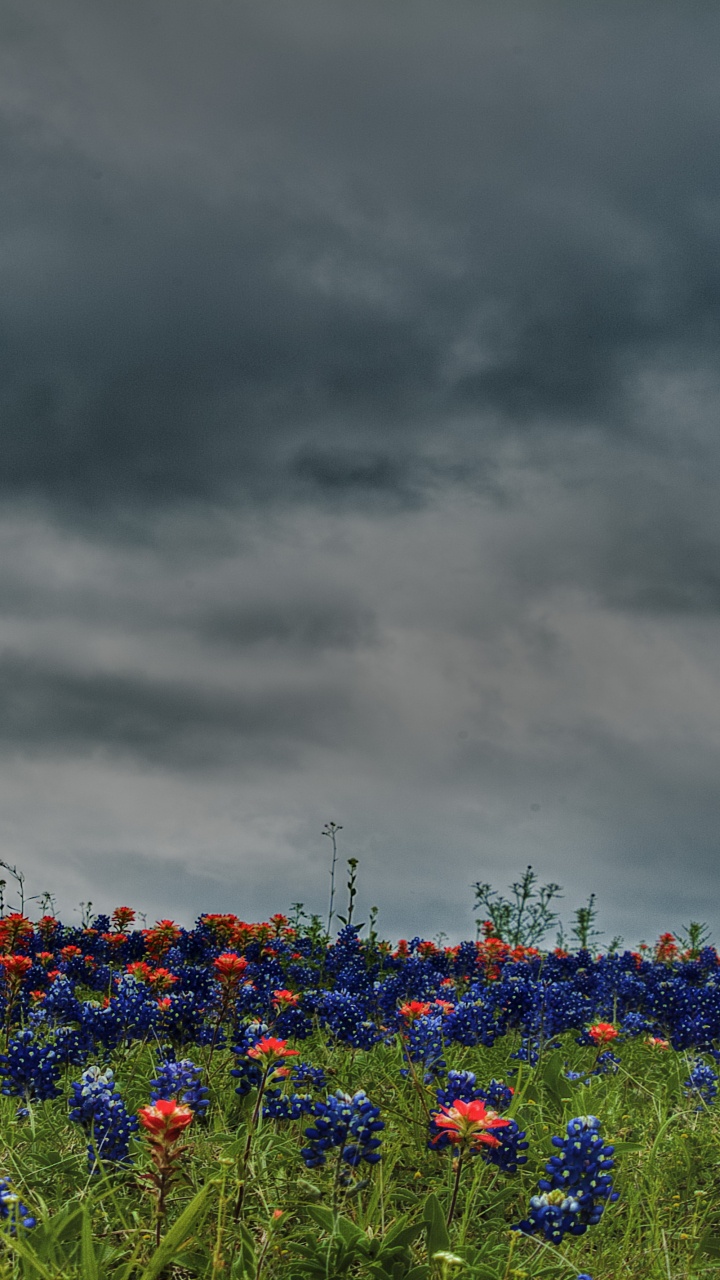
(579, 1184)
(31, 1071)
(181, 1081)
(98, 1107)
(348, 1122)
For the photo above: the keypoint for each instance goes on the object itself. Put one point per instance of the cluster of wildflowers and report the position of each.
(30, 1071)
(509, 1141)
(98, 1107)
(181, 1081)
(81, 993)
(346, 1122)
(578, 1186)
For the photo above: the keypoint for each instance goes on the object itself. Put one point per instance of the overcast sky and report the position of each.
(360, 454)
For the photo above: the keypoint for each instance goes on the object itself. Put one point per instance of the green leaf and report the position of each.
(400, 1236)
(33, 1268)
(559, 1089)
(324, 1217)
(88, 1261)
(179, 1234)
(708, 1246)
(349, 1232)
(436, 1232)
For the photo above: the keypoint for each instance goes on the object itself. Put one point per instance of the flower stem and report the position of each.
(456, 1188)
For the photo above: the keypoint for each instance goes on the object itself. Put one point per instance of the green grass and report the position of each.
(665, 1226)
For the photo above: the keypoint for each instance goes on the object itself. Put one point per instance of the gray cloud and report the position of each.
(359, 448)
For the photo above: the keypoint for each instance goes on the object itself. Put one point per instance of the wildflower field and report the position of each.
(251, 1101)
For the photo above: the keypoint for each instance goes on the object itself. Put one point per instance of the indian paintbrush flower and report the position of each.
(468, 1126)
(165, 1122)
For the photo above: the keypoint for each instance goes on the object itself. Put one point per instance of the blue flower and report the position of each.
(279, 1106)
(181, 1081)
(31, 1070)
(98, 1107)
(12, 1207)
(344, 1121)
(702, 1083)
(573, 1196)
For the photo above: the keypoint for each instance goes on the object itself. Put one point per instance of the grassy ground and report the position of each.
(390, 1223)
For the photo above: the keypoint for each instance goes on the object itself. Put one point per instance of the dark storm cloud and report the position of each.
(340, 248)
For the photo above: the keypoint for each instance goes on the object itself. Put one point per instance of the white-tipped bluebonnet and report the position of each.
(286, 1106)
(349, 1122)
(578, 1186)
(30, 1071)
(181, 1081)
(98, 1107)
(311, 1077)
(248, 1072)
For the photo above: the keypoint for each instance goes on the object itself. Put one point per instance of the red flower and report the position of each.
(16, 967)
(161, 937)
(15, 931)
(468, 1124)
(602, 1033)
(270, 1049)
(284, 999)
(122, 917)
(229, 968)
(162, 979)
(414, 1009)
(114, 940)
(444, 1006)
(166, 1119)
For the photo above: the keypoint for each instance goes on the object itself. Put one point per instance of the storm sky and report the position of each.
(360, 453)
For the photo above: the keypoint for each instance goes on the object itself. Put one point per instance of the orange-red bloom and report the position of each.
(270, 1049)
(166, 1119)
(229, 968)
(414, 1009)
(122, 917)
(160, 938)
(15, 932)
(16, 967)
(284, 999)
(162, 979)
(602, 1033)
(469, 1124)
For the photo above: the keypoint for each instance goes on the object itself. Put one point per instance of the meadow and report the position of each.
(259, 1102)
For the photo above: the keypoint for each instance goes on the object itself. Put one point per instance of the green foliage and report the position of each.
(524, 919)
(694, 938)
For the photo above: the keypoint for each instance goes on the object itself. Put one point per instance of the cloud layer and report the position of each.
(359, 454)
